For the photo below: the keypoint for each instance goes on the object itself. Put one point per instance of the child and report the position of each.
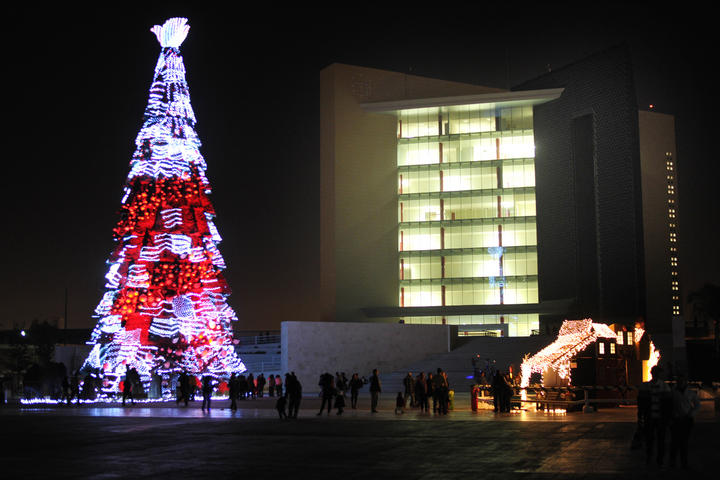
(340, 403)
(399, 404)
(280, 407)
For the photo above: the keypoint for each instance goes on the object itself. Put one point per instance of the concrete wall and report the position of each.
(311, 348)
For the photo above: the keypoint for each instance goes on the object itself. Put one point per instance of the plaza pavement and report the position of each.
(161, 440)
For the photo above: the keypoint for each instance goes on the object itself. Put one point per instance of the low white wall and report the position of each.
(311, 348)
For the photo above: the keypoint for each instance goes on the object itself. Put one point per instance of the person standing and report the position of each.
(271, 385)
(278, 386)
(409, 384)
(207, 389)
(421, 393)
(355, 385)
(655, 408)
(128, 387)
(327, 388)
(430, 382)
(234, 388)
(685, 406)
(293, 390)
(251, 386)
(260, 385)
(375, 390)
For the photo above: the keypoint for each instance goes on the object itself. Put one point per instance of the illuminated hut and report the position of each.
(587, 353)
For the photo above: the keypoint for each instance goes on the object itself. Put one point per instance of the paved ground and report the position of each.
(162, 441)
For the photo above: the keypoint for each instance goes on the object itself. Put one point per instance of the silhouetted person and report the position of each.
(409, 384)
(399, 403)
(431, 393)
(293, 389)
(184, 388)
(234, 391)
(327, 388)
(207, 389)
(685, 406)
(260, 385)
(271, 385)
(278, 386)
(355, 385)
(340, 402)
(128, 387)
(375, 389)
(251, 386)
(280, 406)
(442, 390)
(655, 407)
(421, 397)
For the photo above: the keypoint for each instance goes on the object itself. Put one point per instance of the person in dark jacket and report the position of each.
(421, 397)
(207, 389)
(327, 388)
(409, 384)
(375, 390)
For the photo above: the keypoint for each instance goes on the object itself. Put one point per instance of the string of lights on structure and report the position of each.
(574, 336)
(164, 309)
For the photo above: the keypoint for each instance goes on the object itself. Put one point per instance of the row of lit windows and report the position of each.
(522, 233)
(461, 208)
(467, 265)
(674, 283)
(470, 149)
(517, 173)
(476, 291)
(462, 119)
(518, 325)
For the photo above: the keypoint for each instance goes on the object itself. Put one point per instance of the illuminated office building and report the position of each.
(502, 212)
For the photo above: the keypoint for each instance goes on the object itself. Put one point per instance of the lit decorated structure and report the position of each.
(589, 353)
(164, 309)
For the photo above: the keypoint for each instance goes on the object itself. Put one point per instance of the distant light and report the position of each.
(651, 106)
(22, 333)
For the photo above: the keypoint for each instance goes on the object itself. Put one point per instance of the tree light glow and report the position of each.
(164, 309)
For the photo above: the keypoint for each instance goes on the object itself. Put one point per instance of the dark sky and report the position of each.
(79, 81)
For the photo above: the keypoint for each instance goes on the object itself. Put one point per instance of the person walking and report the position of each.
(685, 406)
(375, 389)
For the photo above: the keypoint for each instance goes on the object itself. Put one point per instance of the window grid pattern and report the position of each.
(466, 211)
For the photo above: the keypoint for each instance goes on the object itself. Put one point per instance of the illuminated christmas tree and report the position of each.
(165, 310)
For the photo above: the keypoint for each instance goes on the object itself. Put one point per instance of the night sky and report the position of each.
(79, 82)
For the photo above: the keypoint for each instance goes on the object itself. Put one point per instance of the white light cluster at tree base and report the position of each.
(165, 308)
